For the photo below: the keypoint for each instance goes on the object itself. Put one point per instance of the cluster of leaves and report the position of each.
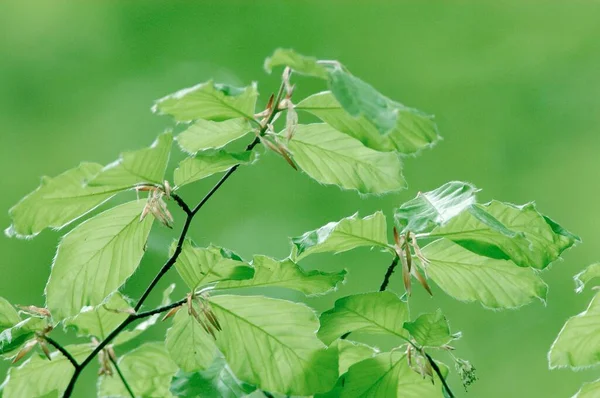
(223, 342)
(578, 343)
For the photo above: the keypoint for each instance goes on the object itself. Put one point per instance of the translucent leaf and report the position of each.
(206, 134)
(58, 201)
(144, 166)
(346, 234)
(375, 313)
(8, 315)
(209, 101)
(413, 131)
(585, 276)
(15, 336)
(467, 276)
(269, 272)
(101, 320)
(431, 330)
(578, 343)
(589, 390)
(436, 207)
(189, 345)
(218, 381)
(521, 233)
(206, 164)
(388, 375)
(96, 258)
(148, 369)
(297, 62)
(351, 352)
(284, 355)
(39, 377)
(199, 266)
(331, 157)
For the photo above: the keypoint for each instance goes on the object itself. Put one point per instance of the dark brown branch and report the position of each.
(127, 387)
(62, 350)
(437, 370)
(388, 274)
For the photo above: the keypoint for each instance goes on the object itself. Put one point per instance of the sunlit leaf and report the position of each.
(431, 330)
(578, 343)
(96, 258)
(375, 313)
(199, 266)
(589, 390)
(331, 157)
(436, 207)
(8, 315)
(101, 320)
(468, 276)
(15, 336)
(413, 131)
(285, 355)
(206, 134)
(591, 272)
(269, 272)
(351, 352)
(206, 164)
(58, 201)
(41, 377)
(297, 62)
(148, 369)
(343, 235)
(209, 101)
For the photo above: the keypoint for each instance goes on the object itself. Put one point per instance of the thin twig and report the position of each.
(437, 370)
(62, 350)
(181, 203)
(388, 274)
(127, 386)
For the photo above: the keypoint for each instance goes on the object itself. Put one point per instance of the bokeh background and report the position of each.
(515, 87)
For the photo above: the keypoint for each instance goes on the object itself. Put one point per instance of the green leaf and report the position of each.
(269, 272)
(331, 157)
(346, 234)
(578, 343)
(206, 164)
(433, 208)
(58, 201)
(14, 337)
(376, 313)
(520, 232)
(199, 266)
(189, 345)
(144, 166)
(206, 134)
(101, 320)
(431, 330)
(40, 377)
(351, 352)
(388, 375)
(467, 276)
(148, 369)
(9, 317)
(413, 131)
(284, 355)
(96, 258)
(582, 278)
(297, 62)
(218, 381)
(209, 101)
(589, 390)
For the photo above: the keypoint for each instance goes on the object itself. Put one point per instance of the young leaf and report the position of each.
(58, 201)
(15, 336)
(96, 258)
(413, 131)
(346, 234)
(189, 345)
(377, 313)
(144, 166)
(269, 272)
(148, 369)
(331, 157)
(467, 276)
(297, 62)
(200, 266)
(431, 330)
(101, 320)
(206, 134)
(388, 375)
(8, 315)
(206, 164)
(218, 381)
(39, 377)
(589, 390)
(582, 278)
(209, 101)
(351, 352)
(433, 208)
(520, 232)
(578, 343)
(285, 355)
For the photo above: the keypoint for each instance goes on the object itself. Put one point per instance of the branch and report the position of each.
(437, 370)
(388, 274)
(129, 390)
(62, 350)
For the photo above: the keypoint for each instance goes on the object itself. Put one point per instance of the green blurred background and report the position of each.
(515, 88)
